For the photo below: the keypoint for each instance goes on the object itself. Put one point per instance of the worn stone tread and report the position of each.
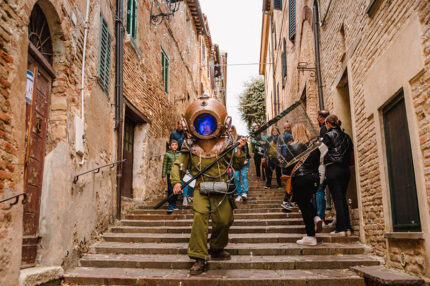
(233, 248)
(235, 237)
(237, 222)
(226, 277)
(175, 215)
(233, 229)
(237, 261)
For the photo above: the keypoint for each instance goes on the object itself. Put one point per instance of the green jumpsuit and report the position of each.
(217, 206)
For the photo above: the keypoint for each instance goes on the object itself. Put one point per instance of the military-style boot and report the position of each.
(199, 267)
(219, 254)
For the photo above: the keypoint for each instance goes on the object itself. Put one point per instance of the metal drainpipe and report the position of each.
(317, 55)
(119, 98)
(273, 64)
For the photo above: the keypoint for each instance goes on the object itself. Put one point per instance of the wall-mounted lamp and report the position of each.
(172, 5)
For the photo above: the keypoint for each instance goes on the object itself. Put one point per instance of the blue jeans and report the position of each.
(242, 173)
(320, 200)
(188, 191)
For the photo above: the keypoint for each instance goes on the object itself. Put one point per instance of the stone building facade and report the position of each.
(74, 123)
(374, 66)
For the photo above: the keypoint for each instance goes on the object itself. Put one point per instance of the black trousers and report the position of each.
(304, 187)
(258, 167)
(172, 201)
(272, 165)
(338, 176)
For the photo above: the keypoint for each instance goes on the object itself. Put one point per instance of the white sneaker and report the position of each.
(244, 197)
(185, 202)
(307, 240)
(190, 199)
(338, 233)
(238, 198)
(318, 223)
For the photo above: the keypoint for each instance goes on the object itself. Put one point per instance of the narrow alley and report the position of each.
(131, 129)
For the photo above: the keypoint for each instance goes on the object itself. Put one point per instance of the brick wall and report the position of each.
(357, 46)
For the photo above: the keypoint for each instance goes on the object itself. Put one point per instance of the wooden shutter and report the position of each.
(278, 98)
(103, 70)
(404, 203)
(277, 5)
(284, 63)
(129, 15)
(134, 32)
(165, 71)
(292, 19)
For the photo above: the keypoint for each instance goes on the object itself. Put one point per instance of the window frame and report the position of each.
(165, 70)
(104, 61)
(132, 8)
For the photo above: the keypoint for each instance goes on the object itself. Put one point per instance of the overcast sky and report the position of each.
(235, 25)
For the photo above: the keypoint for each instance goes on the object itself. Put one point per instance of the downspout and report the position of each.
(273, 63)
(84, 50)
(317, 55)
(119, 98)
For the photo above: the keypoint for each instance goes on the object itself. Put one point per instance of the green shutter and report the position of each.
(134, 33)
(277, 4)
(129, 15)
(165, 71)
(103, 69)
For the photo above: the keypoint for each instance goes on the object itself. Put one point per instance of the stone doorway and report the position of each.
(342, 108)
(40, 74)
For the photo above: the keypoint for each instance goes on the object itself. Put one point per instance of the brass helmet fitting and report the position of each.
(206, 118)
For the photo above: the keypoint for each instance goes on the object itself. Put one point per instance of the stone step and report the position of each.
(176, 216)
(104, 247)
(237, 222)
(190, 211)
(236, 262)
(233, 229)
(228, 277)
(234, 238)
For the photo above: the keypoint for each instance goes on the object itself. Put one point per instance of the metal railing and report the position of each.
(96, 170)
(16, 197)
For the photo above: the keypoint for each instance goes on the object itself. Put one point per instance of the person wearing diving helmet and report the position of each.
(207, 121)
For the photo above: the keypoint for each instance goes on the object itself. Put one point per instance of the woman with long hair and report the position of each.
(304, 181)
(241, 176)
(337, 160)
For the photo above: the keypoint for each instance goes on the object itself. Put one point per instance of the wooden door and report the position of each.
(36, 127)
(404, 203)
(127, 169)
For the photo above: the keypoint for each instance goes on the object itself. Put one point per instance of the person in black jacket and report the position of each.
(336, 160)
(304, 182)
(272, 157)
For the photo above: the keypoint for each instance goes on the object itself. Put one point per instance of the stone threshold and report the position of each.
(40, 275)
(404, 235)
(380, 275)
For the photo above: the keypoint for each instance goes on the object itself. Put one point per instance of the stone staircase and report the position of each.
(149, 248)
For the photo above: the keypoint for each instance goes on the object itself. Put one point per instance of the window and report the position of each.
(103, 69)
(165, 71)
(278, 98)
(277, 5)
(292, 19)
(403, 193)
(284, 62)
(132, 18)
(203, 53)
(274, 32)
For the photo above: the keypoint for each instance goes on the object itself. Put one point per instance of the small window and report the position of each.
(203, 53)
(165, 71)
(277, 5)
(274, 32)
(132, 18)
(278, 98)
(103, 69)
(292, 19)
(284, 62)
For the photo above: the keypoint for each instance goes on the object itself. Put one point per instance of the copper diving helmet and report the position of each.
(206, 118)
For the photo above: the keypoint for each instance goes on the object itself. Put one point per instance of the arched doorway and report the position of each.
(40, 74)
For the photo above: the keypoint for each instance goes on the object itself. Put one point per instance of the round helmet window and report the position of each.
(205, 124)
